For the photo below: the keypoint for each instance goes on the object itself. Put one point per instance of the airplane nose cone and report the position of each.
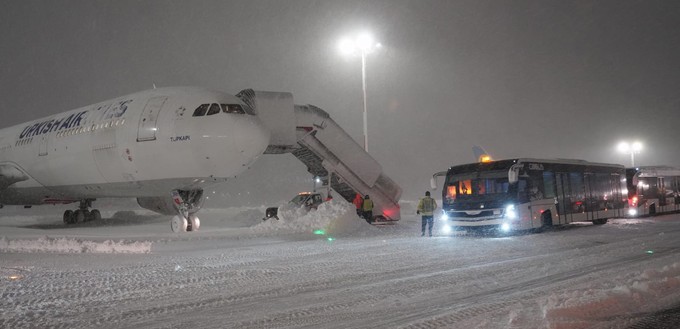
(253, 140)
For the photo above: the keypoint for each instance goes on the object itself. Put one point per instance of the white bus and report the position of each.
(653, 190)
(522, 194)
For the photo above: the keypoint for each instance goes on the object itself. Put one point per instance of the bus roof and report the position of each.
(656, 171)
(507, 163)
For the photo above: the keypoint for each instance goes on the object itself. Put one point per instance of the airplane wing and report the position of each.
(10, 174)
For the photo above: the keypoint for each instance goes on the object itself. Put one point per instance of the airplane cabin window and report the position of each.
(214, 109)
(232, 108)
(201, 110)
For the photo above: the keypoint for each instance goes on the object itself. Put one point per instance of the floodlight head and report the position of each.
(365, 42)
(636, 147)
(624, 147)
(360, 44)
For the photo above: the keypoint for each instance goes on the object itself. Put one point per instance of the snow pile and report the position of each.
(333, 217)
(64, 245)
(625, 295)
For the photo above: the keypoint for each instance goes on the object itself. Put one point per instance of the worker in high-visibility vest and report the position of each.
(358, 203)
(367, 208)
(426, 208)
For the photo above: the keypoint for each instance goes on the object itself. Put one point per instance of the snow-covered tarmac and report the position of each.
(129, 271)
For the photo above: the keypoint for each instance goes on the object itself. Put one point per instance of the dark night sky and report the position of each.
(556, 79)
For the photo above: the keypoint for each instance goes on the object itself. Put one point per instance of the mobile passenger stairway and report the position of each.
(310, 134)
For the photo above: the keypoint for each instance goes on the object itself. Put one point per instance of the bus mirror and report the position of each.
(513, 174)
(433, 183)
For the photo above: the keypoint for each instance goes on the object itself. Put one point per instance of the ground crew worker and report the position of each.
(426, 208)
(367, 208)
(359, 202)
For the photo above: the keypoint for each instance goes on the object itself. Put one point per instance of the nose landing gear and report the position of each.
(179, 223)
(186, 219)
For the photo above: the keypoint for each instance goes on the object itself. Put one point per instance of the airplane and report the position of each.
(162, 146)
(480, 154)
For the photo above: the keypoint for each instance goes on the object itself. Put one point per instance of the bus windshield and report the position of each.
(491, 185)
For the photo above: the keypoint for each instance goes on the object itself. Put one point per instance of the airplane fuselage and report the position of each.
(141, 145)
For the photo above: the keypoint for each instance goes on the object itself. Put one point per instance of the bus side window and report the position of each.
(548, 184)
(522, 190)
(578, 195)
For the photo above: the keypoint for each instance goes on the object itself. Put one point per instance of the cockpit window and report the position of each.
(200, 111)
(214, 109)
(232, 108)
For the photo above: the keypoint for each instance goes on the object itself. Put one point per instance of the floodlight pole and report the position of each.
(363, 86)
(632, 158)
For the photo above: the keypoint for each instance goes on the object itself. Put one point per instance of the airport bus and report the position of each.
(653, 190)
(523, 194)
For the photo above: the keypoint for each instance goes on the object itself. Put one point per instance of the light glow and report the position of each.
(505, 227)
(510, 212)
(630, 148)
(362, 43)
(446, 229)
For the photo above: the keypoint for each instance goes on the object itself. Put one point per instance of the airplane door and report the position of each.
(43, 145)
(147, 123)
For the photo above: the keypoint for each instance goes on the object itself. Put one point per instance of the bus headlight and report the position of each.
(632, 212)
(505, 227)
(510, 212)
(444, 216)
(446, 229)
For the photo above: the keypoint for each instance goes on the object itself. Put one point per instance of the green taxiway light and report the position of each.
(319, 232)
(650, 251)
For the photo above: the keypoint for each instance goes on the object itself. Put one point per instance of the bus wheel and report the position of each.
(546, 222)
(601, 221)
(546, 219)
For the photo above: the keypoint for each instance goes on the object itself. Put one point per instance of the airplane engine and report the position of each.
(166, 205)
(161, 205)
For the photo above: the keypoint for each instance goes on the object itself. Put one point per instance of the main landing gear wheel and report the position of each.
(68, 216)
(195, 223)
(80, 216)
(95, 215)
(179, 224)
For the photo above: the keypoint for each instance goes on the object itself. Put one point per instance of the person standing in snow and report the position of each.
(367, 208)
(426, 208)
(358, 202)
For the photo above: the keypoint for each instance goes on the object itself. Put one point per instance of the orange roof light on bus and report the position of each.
(485, 158)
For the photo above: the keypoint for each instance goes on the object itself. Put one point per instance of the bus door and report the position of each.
(563, 197)
(662, 191)
(589, 181)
